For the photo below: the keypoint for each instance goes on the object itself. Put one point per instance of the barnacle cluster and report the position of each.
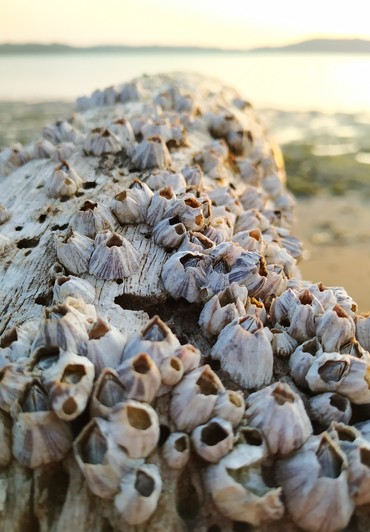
(260, 417)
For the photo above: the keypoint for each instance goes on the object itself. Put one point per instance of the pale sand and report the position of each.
(335, 232)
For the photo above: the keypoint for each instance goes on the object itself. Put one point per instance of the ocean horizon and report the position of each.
(329, 83)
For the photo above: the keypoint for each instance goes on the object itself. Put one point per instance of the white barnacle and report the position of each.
(315, 483)
(74, 251)
(245, 353)
(184, 275)
(238, 490)
(140, 490)
(91, 218)
(213, 440)
(134, 426)
(65, 286)
(114, 257)
(151, 153)
(130, 206)
(39, 436)
(108, 390)
(329, 406)
(344, 374)
(156, 339)
(141, 377)
(69, 382)
(334, 328)
(194, 398)
(105, 345)
(101, 141)
(169, 233)
(281, 416)
(63, 182)
(176, 450)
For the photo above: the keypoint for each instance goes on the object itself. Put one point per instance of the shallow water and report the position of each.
(291, 81)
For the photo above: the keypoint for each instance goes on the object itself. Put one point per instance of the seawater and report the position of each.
(290, 81)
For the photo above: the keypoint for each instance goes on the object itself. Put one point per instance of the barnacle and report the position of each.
(173, 424)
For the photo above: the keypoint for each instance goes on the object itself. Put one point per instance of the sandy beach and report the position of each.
(336, 236)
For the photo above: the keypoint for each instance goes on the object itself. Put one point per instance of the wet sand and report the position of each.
(336, 236)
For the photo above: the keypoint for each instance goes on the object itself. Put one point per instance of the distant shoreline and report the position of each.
(332, 46)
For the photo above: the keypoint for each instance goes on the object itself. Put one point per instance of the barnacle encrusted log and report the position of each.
(163, 366)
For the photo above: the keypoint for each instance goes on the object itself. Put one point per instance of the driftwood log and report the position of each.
(154, 220)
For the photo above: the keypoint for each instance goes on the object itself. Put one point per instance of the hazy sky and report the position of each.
(223, 23)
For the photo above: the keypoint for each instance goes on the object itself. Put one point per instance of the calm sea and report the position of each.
(320, 82)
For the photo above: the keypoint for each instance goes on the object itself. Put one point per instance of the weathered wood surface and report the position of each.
(55, 496)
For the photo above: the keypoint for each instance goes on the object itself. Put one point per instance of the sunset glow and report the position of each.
(225, 24)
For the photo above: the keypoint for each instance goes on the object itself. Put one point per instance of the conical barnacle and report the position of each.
(140, 490)
(134, 426)
(74, 251)
(39, 436)
(43, 149)
(105, 346)
(15, 344)
(91, 218)
(159, 204)
(173, 136)
(230, 405)
(141, 377)
(61, 131)
(114, 257)
(122, 128)
(223, 308)
(327, 407)
(85, 312)
(189, 356)
(345, 300)
(70, 285)
(194, 398)
(213, 440)
(280, 414)
(189, 211)
(212, 158)
(101, 141)
(219, 230)
(64, 151)
(274, 254)
(251, 240)
(357, 451)
(130, 92)
(156, 339)
(151, 153)
(108, 390)
(249, 270)
(238, 490)
(169, 233)
(172, 370)
(245, 353)
(334, 328)
(283, 306)
(195, 241)
(256, 308)
(176, 450)
(13, 380)
(251, 219)
(193, 175)
(70, 382)
(314, 481)
(295, 248)
(227, 126)
(302, 359)
(4, 214)
(282, 343)
(184, 274)
(61, 327)
(253, 197)
(13, 157)
(362, 322)
(167, 178)
(302, 317)
(107, 96)
(101, 461)
(344, 374)
(225, 197)
(63, 182)
(353, 347)
(131, 205)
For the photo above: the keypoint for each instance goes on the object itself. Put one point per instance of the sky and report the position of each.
(220, 23)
